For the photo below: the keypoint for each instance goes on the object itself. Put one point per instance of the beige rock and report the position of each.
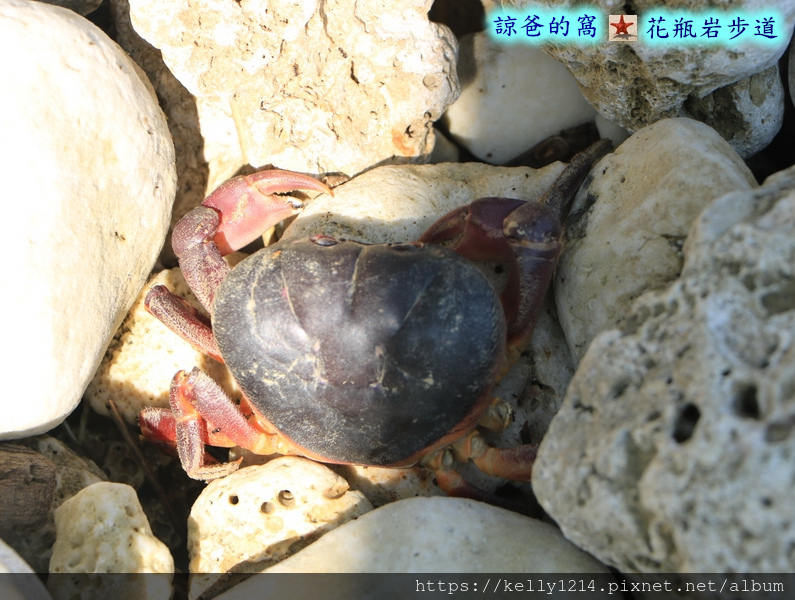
(673, 449)
(103, 529)
(93, 179)
(312, 86)
(452, 535)
(382, 485)
(632, 219)
(259, 515)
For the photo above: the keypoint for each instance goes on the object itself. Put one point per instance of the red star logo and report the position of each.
(621, 26)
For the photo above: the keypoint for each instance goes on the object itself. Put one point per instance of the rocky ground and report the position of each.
(660, 377)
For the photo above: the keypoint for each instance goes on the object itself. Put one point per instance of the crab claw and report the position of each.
(248, 205)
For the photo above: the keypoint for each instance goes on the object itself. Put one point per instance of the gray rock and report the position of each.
(636, 84)
(748, 114)
(791, 76)
(629, 222)
(673, 450)
(73, 473)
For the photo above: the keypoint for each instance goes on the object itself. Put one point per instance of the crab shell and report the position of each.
(362, 354)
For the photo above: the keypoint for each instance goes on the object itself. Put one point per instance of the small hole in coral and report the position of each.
(685, 423)
(778, 431)
(745, 402)
(233, 500)
(286, 498)
(267, 508)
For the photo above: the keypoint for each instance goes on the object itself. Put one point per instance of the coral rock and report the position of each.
(259, 515)
(334, 86)
(673, 450)
(103, 529)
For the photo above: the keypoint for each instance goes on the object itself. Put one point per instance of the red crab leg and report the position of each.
(514, 463)
(184, 320)
(203, 413)
(453, 484)
(159, 426)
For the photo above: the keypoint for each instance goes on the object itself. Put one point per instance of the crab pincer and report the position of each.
(235, 214)
(524, 234)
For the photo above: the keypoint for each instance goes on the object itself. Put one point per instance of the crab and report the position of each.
(350, 353)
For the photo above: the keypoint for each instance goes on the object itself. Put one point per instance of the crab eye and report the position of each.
(405, 247)
(323, 240)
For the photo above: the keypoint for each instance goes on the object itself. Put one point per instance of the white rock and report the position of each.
(513, 96)
(632, 219)
(439, 535)
(608, 129)
(92, 176)
(673, 449)
(25, 584)
(103, 529)
(259, 515)
(311, 86)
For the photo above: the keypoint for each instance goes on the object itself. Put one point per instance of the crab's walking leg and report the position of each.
(184, 320)
(561, 194)
(514, 463)
(453, 484)
(203, 413)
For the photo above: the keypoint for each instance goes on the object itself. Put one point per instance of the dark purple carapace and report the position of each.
(359, 353)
